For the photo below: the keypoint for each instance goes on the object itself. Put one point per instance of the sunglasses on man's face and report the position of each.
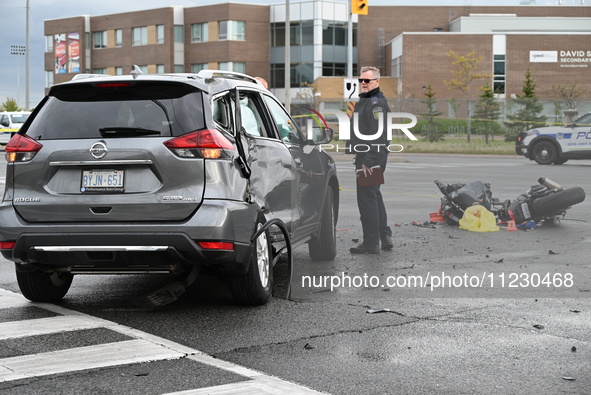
(366, 80)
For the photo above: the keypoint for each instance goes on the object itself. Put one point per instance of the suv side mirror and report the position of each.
(5, 123)
(321, 135)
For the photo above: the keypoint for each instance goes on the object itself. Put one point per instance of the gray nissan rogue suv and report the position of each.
(162, 174)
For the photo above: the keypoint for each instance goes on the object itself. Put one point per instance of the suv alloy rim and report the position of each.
(262, 251)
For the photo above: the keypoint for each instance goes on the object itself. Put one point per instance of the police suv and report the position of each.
(10, 123)
(557, 144)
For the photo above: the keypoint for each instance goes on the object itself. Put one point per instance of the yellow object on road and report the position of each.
(478, 219)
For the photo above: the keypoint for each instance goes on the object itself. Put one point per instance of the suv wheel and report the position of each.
(324, 246)
(40, 286)
(544, 153)
(254, 287)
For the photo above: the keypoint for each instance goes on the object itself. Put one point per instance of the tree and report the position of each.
(464, 76)
(569, 93)
(487, 111)
(309, 95)
(10, 105)
(431, 133)
(529, 115)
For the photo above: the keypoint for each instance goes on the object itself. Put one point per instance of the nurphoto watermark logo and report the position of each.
(345, 131)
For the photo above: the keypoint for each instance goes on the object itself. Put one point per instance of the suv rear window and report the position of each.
(119, 109)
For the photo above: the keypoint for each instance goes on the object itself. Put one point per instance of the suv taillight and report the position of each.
(21, 148)
(207, 143)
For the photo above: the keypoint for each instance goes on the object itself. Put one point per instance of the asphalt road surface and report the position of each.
(447, 311)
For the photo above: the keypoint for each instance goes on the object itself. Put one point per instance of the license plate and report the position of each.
(102, 180)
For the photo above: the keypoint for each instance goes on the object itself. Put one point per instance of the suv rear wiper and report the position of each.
(125, 131)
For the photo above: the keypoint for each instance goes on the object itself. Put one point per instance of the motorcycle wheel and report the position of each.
(557, 202)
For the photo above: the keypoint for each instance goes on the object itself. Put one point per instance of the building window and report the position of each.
(232, 30)
(300, 73)
(301, 33)
(159, 69)
(197, 67)
(277, 75)
(49, 43)
(499, 77)
(335, 33)
(336, 69)
(99, 70)
(144, 69)
(99, 40)
(140, 35)
(179, 34)
(238, 30)
(223, 30)
(199, 33)
(238, 67)
(159, 34)
(179, 68)
(118, 37)
(277, 34)
(118, 70)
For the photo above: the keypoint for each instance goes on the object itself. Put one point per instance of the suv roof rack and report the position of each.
(83, 76)
(227, 74)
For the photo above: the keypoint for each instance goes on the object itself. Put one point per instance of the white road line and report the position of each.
(7, 301)
(82, 358)
(263, 386)
(43, 326)
(143, 348)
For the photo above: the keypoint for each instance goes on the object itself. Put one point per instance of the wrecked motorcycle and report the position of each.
(545, 202)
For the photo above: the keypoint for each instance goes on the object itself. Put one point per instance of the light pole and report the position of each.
(287, 57)
(27, 50)
(18, 50)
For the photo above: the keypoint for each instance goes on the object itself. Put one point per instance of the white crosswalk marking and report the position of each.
(142, 347)
(82, 358)
(41, 326)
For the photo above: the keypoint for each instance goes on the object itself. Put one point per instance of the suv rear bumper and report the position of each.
(135, 248)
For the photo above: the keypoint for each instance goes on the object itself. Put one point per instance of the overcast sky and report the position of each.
(13, 17)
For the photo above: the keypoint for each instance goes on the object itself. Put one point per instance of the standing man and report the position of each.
(371, 157)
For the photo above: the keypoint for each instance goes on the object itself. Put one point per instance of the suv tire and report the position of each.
(324, 246)
(39, 286)
(255, 286)
(544, 153)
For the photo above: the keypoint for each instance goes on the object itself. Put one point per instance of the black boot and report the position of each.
(387, 243)
(363, 249)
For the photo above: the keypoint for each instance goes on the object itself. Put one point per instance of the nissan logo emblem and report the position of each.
(99, 150)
